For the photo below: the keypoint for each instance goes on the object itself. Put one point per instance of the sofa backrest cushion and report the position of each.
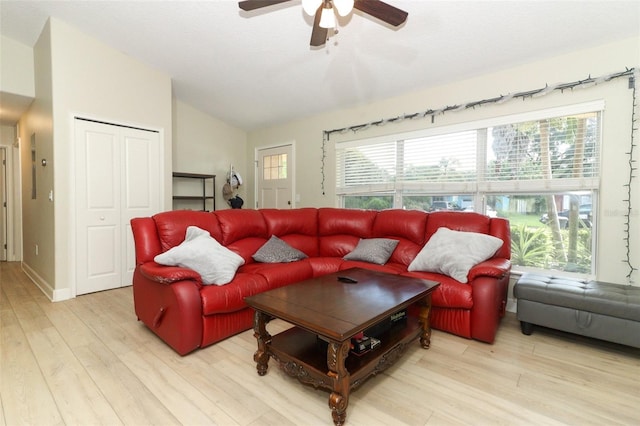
(457, 221)
(243, 231)
(406, 226)
(340, 230)
(296, 227)
(237, 224)
(172, 226)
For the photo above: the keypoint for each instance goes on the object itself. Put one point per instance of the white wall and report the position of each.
(38, 214)
(16, 68)
(204, 144)
(77, 75)
(572, 66)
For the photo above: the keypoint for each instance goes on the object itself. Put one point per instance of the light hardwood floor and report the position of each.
(89, 361)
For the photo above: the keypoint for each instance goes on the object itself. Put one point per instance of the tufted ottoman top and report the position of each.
(616, 300)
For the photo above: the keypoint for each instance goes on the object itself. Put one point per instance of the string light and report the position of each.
(325, 139)
(632, 145)
(632, 73)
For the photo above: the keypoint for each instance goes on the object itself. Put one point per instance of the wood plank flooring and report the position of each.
(89, 361)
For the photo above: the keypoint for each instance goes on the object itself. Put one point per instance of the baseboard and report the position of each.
(51, 293)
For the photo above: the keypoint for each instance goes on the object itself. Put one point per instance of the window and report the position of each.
(274, 167)
(539, 170)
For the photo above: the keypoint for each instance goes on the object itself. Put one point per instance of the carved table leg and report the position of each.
(425, 322)
(339, 398)
(261, 356)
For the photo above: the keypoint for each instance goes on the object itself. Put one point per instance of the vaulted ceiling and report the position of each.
(257, 69)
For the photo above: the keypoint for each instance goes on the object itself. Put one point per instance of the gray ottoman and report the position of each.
(590, 308)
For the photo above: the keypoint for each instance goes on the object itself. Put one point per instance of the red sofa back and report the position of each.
(406, 226)
(341, 229)
(297, 227)
(172, 226)
(243, 231)
(323, 232)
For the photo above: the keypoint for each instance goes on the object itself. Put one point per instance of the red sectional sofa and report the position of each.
(174, 304)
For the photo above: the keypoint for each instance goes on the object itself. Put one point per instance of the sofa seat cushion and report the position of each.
(390, 268)
(280, 274)
(450, 293)
(324, 265)
(230, 297)
(247, 247)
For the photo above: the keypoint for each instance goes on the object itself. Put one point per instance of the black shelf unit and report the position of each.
(204, 197)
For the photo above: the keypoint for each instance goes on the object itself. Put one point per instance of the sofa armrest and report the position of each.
(489, 303)
(169, 274)
(173, 310)
(145, 236)
(495, 267)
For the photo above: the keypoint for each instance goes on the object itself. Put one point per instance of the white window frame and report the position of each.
(481, 188)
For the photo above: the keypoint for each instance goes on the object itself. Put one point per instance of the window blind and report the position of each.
(541, 154)
(559, 148)
(370, 166)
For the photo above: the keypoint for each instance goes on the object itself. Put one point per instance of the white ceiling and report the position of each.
(256, 69)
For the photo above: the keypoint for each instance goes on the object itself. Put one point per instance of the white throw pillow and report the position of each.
(454, 253)
(215, 263)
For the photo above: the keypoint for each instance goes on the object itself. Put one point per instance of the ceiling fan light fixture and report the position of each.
(311, 6)
(327, 18)
(344, 7)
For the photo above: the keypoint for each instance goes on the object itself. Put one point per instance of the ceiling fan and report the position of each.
(325, 17)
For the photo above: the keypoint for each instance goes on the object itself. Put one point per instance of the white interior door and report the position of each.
(275, 177)
(117, 178)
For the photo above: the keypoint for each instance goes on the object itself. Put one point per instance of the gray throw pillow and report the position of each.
(373, 250)
(277, 251)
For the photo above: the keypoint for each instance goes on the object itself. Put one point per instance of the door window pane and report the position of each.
(274, 167)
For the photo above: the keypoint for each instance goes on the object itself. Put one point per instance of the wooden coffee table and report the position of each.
(326, 314)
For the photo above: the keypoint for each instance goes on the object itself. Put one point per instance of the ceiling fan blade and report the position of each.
(248, 5)
(319, 34)
(381, 10)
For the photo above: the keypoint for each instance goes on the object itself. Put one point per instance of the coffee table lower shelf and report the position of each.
(330, 365)
(303, 355)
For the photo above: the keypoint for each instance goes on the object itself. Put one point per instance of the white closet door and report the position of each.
(117, 178)
(141, 187)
